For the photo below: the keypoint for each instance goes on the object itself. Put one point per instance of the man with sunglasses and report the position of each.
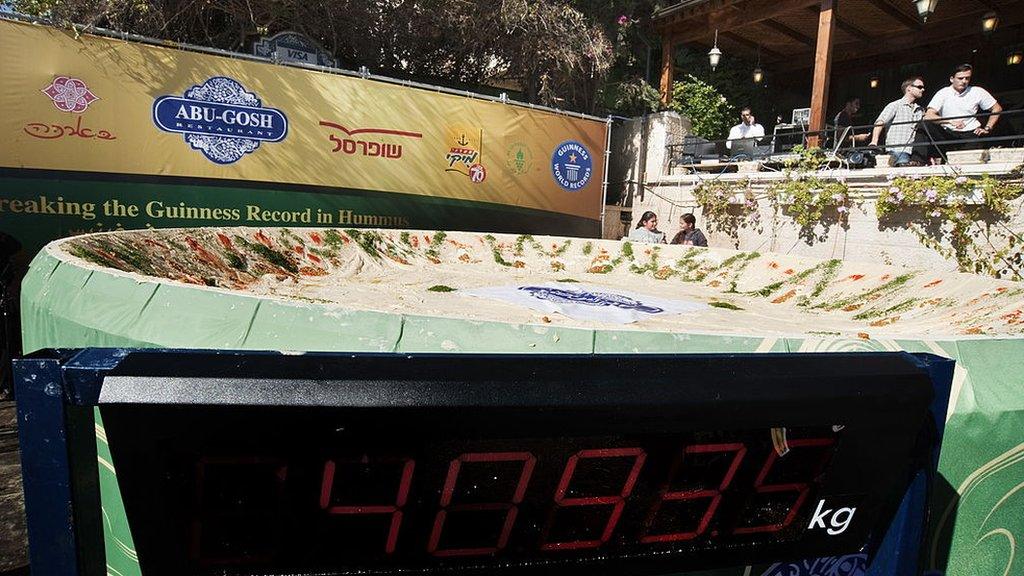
(900, 118)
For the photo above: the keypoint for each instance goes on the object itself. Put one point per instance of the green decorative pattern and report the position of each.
(122, 560)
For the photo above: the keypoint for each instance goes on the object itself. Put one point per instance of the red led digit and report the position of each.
(240, 493)
(394, 509)
(715, 494)
(510, 508)
(801, 488)
(616, 501)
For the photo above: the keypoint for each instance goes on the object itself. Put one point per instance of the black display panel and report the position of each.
(492, 464)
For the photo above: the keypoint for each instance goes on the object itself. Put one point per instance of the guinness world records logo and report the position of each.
(571, 165)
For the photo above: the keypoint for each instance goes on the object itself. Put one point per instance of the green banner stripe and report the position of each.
(39, 206)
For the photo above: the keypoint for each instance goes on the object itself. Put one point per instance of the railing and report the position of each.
(841, 143)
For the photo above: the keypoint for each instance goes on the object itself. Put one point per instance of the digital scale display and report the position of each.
(266, 464)
(352, 498)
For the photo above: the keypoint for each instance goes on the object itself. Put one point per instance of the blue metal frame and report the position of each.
(48, 381)
(900, 551)
(45, 470)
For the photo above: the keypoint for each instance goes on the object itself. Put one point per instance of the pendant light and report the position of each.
(758, 73)
(989, 22)
(714, 55)
(925, 8)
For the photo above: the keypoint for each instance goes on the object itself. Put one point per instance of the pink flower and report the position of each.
(623, 20)
(894, 189)
(899, 196)
(842, 209)
(936, 213)
(931, 194)
(70, 94)
(961, 179)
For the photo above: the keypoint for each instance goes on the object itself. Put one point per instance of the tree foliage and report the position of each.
(707, 109)
(559, 51)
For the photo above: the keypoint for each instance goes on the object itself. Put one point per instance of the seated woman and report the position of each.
(647, 230)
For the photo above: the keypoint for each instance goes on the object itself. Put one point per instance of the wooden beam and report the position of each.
(822, 69)
(752, 11)
(787, 31)
(953, 49)
(751, 45)
(845, 25)
(901, 42)
(672, 15)
(666, 70)
(896, 14)
(990, 5)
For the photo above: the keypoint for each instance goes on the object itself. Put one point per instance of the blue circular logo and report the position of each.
(572, 165)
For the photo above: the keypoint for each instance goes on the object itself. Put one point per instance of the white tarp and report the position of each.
(587, 301)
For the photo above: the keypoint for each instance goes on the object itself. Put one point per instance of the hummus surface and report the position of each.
(427, 273)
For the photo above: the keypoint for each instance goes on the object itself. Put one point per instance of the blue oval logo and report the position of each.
(221, 119)
(572, 296)
(571, 165)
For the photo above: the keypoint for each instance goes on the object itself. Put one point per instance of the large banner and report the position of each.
(101, 133)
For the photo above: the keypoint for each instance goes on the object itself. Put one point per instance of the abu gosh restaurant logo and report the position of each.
(72, 96)
(465, 154)
(220, 119)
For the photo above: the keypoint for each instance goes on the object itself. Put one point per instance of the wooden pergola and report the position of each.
(794, 35)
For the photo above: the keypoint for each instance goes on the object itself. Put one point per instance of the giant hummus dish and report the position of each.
(428, 273)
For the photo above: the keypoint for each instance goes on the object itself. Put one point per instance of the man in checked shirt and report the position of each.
(899, 138)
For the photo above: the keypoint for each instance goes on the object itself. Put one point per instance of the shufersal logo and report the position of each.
(220, 119)
(571, 165)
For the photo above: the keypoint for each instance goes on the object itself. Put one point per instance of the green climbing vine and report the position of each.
(728, 206)
(807, 197)
(959, 217)
(948, 211)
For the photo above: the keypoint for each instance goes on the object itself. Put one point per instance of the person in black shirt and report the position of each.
(690, 234)
(845, 118)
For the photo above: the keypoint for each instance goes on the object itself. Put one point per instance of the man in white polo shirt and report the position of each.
(954, 107)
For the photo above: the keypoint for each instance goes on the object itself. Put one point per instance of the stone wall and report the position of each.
(860, 238)
(628, 165)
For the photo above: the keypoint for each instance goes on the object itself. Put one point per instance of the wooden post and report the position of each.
(822, 70)
(666, 68)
